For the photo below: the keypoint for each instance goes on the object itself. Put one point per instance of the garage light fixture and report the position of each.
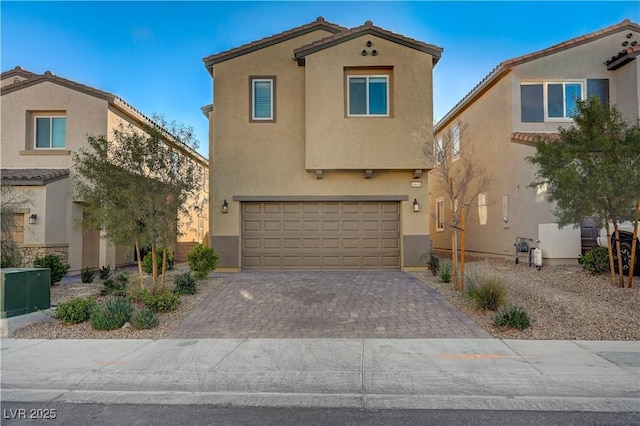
(416, 206)
(33, 219)
(225, 206)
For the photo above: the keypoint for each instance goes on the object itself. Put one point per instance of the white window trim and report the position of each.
(367, 77)
(35, 132)
(253, 98)
(456, 142)
(437, 150)
(482, 208)
(440, 212)
(545, 97)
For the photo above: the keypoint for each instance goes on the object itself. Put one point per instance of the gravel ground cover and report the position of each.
(57, 329)
(564, 302)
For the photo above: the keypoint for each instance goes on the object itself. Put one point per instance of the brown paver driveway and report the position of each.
(326, 304)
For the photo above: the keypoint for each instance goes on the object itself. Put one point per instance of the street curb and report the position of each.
(319, 400)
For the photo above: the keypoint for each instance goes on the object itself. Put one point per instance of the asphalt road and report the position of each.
(69, 414)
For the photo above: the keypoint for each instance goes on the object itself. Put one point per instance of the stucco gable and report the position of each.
(367, 29)
(48, 76)
(113, 100)
(318, 24)
(505, 67)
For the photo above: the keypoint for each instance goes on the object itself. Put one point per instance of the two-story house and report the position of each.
(523, 99)
(316, 152)
(45, 119)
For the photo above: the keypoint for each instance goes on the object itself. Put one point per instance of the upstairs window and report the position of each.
(440, 214)
(562, 99)
(50, 132)
(439, 150)
(551, 101)
(263, 99)
(368, 95)
(456, 141)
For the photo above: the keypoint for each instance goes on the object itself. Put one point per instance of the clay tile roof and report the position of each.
(49, 76)
(17, 71)
(505, 67)
(368, 28)
(318, 24)
(32, 176)
(533, 138)
(623, 57)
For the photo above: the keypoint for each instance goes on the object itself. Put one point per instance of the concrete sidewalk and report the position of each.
(486, 374)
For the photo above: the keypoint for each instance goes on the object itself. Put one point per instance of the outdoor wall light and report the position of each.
(416, 206)
(32, 219)
(225, 206)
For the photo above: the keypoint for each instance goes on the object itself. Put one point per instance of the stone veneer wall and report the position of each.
(30, 253)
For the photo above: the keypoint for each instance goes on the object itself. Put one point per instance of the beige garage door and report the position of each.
(320, 235)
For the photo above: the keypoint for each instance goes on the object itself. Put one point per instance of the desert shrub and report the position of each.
(111, 314)
(487, 291)
(445, 272)
(158, 301)
(185, 283)
(202, 260)
(513, 316)
(144, 318)
(75, 310)
(596, 260)
(105, 272)
(434, 264)
(87, 275)
(116, 285)
(54, 262)
(147, 262)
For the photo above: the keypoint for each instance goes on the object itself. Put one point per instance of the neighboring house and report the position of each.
(317, 137)
(520, 100)
(45, 119)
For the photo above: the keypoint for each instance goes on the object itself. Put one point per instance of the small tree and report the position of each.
(462, 178)
(11, 203)
(136, 183)
(592, 170)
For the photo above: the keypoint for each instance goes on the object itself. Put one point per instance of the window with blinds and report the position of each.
(263, 99)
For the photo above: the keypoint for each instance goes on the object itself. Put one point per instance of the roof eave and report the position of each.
(488, 82)
(434, 51)
(211, 60)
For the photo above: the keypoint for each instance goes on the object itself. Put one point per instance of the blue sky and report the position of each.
(150, 53)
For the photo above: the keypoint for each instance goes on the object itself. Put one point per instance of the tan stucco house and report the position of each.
(45, 118)
(316, 150)
(522, 99)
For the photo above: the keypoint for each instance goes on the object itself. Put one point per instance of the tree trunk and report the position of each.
(154, 264)
(617, 238)
(462, 241)
(454, 258)
(611, 267)
(634, 245)
(139, 263)
(164, 266)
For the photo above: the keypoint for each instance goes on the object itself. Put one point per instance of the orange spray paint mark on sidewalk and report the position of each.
(480, 356)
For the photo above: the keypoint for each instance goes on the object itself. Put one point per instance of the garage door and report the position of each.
(320, 235)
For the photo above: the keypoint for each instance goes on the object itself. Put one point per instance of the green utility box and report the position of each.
(24, 290)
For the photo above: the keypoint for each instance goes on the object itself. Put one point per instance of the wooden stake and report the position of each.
(634, 245)
(462, 241)
(611, 267)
